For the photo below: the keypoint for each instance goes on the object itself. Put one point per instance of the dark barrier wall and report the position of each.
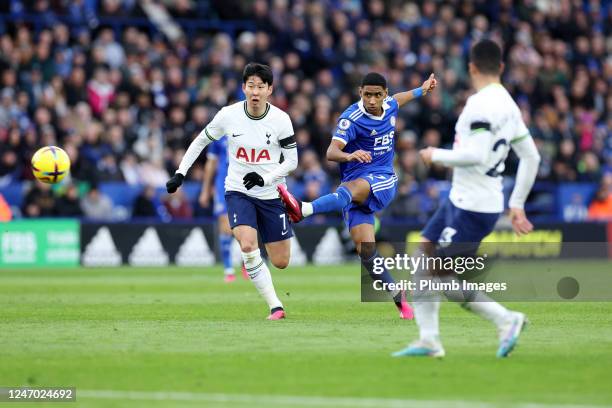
(192, 245)
(196, 244)
(147, 244)
(565, 232)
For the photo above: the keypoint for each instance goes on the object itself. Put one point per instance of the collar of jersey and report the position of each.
(256, 117)
(491, 86)
(385, 106)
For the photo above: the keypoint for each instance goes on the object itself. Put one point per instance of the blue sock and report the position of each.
(368, 261)
(226, 244)
(332, 202)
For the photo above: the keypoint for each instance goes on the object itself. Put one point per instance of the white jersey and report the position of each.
(254, 145)
(490, 122)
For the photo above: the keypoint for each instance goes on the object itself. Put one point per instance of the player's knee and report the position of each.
(247, 246)
(280, 262)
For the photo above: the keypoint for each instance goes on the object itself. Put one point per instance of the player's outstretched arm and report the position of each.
(429, 85)
(471, 153)
(336, 153)
(529, 160)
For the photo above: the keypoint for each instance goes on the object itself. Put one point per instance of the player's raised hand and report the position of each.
(174, 183)
(426, 155)
(360, 155)
(252, 179)
(429, 85)
(520, 224)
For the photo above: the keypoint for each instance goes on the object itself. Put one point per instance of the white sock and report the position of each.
(260, 276)
(307, 209)
(228, 271)
(426, 304)
(488, 309)
(427, 318)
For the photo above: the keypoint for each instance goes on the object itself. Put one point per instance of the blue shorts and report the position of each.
(451, 225)
(266, 216)
(382, 192)
(219, 206)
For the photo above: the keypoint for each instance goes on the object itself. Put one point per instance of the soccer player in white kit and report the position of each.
(489, 126)
(259, 134)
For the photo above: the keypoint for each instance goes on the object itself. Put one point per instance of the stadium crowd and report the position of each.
(125, 101)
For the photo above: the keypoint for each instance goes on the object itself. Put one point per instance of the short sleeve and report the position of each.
(472, 121)
(287, 129)
(216, 128)
(345, 131)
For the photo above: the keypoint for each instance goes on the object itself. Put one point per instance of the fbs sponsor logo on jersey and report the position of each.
(195, 251)
(253, 155)
(148, 251)
(101, 250)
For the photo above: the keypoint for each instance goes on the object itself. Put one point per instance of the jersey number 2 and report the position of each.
(493, 171)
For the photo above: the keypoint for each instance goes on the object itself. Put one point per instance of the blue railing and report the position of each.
(549, 202)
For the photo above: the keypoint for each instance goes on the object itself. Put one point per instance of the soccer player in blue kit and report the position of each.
(213, 186)
(363, 143)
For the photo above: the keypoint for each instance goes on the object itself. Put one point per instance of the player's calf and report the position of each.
(368, 255)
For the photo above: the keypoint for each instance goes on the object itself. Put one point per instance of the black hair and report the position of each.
(374, 79)
(487, 56)
(264, 72)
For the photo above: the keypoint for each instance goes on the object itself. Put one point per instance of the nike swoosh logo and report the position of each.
(284, 232)
(239, 134)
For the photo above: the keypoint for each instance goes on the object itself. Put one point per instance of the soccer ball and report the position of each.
(50, 164)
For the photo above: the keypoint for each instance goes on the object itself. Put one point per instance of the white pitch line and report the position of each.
(294, 400)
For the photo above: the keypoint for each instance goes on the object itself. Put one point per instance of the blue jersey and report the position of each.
(218, 150)
(375, 134)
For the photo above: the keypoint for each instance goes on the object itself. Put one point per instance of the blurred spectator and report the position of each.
(108, 170)
(5, 210)
(39, 201)
(9, 163)
(601, 206)
(69, 204)
(313, 176)
(96, 205)
(130, 170)
(144, 205)
(100, 91)
(178, 206)
(407, 201)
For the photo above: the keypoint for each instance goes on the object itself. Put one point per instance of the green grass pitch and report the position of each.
(136, 337)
